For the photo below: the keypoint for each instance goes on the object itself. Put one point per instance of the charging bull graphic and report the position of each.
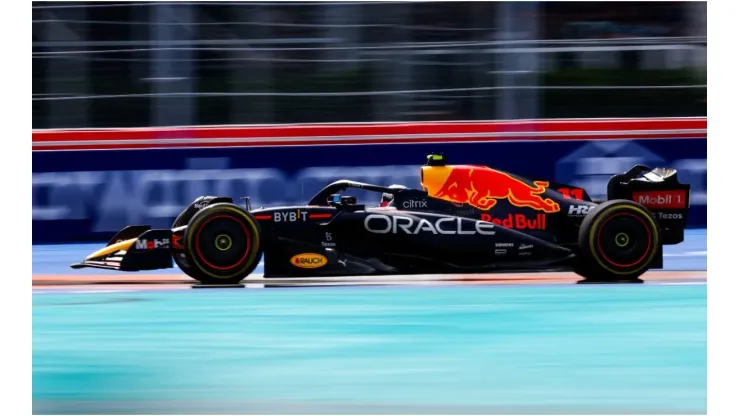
(482, 187)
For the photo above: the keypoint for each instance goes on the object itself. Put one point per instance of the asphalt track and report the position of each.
(537, 344)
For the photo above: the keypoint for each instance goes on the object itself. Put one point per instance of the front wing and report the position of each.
(134, 248)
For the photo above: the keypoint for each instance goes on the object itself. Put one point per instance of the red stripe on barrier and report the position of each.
(353, 133)
(307, 142)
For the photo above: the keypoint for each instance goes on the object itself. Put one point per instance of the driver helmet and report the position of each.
(387, 198)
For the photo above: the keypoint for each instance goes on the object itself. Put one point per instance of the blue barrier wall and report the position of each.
(89, 195)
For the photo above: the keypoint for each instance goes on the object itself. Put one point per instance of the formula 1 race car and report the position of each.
(465, 219)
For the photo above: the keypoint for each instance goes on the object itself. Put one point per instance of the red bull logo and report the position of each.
(482, 187)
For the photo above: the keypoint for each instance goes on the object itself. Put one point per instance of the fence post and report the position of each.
(517, 21)
(251, 70)
(66, 76)
(171, 70)
(391, 69)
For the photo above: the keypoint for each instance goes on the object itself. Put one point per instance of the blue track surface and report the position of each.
(453, 349)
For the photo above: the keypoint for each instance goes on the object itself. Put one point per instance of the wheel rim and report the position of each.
(624, 240)
(223, 242)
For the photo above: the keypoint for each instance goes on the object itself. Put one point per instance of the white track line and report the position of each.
(43, 291)
(688, 253)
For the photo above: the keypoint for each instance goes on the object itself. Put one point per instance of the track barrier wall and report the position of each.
(88, 184)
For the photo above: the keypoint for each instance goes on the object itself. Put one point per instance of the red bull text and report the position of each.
(518, 221)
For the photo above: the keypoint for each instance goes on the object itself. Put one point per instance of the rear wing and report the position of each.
(660, 192)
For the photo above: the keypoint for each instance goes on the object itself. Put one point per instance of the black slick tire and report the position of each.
(617, 241)
(222, 245)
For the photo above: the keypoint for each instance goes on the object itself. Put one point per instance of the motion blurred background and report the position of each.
(155, 64)
(149, 64)
(134, 69)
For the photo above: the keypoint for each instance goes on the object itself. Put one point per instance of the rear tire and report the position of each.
(618, 240)
(222, 245)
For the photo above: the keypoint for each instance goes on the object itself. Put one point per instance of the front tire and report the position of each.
(618, 240)
(222, 244)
